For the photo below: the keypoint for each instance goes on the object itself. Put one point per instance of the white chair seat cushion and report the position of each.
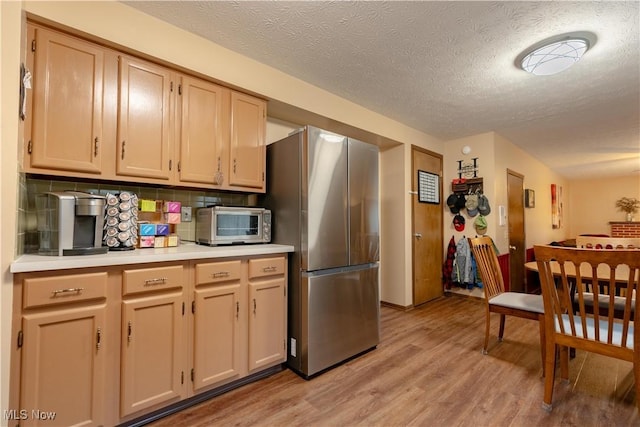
(604, 327)
(603, 301)
(519, 301)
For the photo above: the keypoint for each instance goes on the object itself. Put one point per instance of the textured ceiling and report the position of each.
(447, 68)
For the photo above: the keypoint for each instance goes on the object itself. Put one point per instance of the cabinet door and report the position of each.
(248, 130)
(216, 335)
(204, 136)
(63, 363)
(267, 322)
(144, 120)
(68, 90)
(152, 339)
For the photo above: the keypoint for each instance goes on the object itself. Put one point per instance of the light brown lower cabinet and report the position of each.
(103, 346)
(62, 338)
(268, 312)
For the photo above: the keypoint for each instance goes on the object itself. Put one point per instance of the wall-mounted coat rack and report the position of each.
(467, 185)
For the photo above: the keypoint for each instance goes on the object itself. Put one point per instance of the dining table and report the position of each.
(586, 272)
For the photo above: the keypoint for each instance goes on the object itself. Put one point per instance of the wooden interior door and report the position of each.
(515, 216)
(427, 231)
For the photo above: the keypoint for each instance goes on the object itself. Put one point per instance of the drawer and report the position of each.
(215, 272)
(63, 289)
(152, 279)
(266, 267)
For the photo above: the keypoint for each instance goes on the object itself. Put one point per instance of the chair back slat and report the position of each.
(487, 264)
(570, 277)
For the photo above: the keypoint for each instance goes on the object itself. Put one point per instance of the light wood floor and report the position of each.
(428, 371)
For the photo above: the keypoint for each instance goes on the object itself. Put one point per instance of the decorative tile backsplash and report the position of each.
(29, 187)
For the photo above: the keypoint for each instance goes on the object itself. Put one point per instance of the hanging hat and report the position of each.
(460, 201)
(451, 203)
(458, 222)
(483, 205)
(480, 224)
(472, 204)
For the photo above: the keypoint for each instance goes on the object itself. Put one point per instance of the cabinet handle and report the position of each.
(129, 331)
(122, 154)
(156, 281)
(234, 165)
(169, 164)
(220, 274)
(98, 338)
(254, 306)
(179, 167)
(218, 163)
(269, 269)
(95, 147)
(67, 291)
(237, 310)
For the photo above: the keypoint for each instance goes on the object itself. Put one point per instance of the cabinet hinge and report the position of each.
(29, 147)
(193, 307)
(193, 374)
(33, 45)
(20, 339)
(181, 377)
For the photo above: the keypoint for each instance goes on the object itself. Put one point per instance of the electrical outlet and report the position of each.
(185, 214)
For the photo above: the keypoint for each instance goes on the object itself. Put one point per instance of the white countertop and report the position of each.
(184, 252)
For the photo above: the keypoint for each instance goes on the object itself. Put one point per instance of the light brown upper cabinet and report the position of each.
(99, 113)
(65, 130)
(248, 130)
(144, 119)
(204, 133)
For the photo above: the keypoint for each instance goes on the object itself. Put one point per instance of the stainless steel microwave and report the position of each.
(226, 225)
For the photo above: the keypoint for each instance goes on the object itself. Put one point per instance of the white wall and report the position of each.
(495, 155)
(593, 203)
(10, 36)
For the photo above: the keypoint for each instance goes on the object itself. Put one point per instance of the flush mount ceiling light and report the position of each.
(555, 54)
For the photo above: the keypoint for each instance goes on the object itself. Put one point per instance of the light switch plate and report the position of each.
(185, 214)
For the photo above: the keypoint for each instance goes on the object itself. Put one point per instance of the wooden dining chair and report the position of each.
(562, 269)
(497, 300)
(604, 243)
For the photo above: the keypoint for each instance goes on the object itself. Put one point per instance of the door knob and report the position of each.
(511, 247)
(418, 235)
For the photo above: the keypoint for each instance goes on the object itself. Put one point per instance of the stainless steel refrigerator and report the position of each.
(323, 191)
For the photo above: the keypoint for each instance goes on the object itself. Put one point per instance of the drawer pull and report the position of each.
(237, 310)
(67, 291)
(157, 281)
(269, 269)
(220, 274)
(128, 331)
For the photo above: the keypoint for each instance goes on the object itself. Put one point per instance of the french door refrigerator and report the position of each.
(322, 189)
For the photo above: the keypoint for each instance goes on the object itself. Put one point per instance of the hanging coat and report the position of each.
(447, 267)
(463, 271)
